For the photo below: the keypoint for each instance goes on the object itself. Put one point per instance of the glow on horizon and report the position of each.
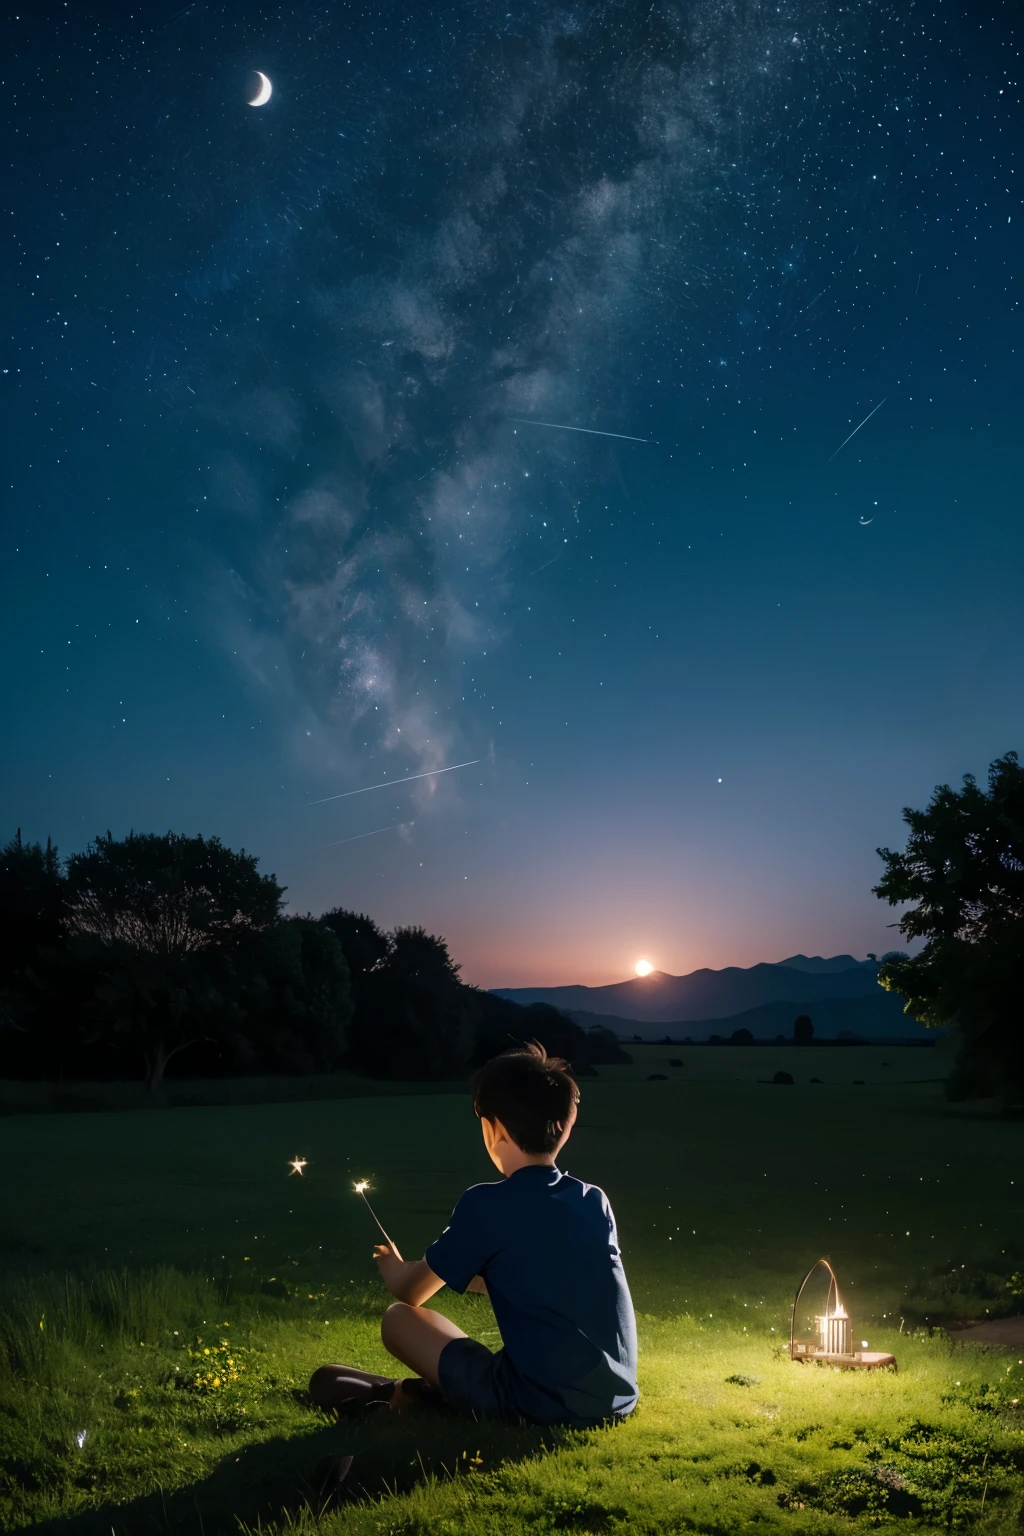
(643, 968)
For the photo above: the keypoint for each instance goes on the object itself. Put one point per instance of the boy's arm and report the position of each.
(409, 1280)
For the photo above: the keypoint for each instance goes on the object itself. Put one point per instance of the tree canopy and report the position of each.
(168, 953)
(961, 881)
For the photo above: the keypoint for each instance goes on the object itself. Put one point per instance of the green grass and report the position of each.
(44, 1098)
(133, 1242)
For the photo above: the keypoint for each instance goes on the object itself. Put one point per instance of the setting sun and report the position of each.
(643, 967)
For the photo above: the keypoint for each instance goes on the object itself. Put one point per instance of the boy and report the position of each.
(543, 1246)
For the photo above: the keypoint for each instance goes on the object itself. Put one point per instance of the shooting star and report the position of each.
(388, 783)
(559, 426)
(376, 833)
(544, 566)
(857, 428)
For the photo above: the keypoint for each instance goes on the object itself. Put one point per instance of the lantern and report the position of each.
(820, 1326)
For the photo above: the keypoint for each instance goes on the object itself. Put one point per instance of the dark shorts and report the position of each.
(472, 1380)
(469, 1376)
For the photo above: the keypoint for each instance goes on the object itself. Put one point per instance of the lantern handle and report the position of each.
(833, 1285)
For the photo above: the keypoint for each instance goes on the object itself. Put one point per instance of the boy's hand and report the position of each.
(413, 1282)
(389, 1262)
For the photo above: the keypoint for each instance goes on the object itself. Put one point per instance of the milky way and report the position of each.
(284, 522)
(557, 207)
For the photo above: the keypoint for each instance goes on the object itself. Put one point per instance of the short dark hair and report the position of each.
(530, 1092)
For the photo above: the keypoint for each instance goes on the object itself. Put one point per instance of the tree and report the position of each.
(417, 1020)
(31, 910)
(364, 946)
(502, 1025)
(160, 916)
(292, 998)
(803, 1030)
(962, 872)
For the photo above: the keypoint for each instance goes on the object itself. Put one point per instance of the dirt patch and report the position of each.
(1003, 1332)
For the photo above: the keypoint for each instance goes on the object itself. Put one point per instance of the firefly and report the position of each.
(297, 1164)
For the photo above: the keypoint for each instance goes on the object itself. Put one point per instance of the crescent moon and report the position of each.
(865, 520)
(264, 93)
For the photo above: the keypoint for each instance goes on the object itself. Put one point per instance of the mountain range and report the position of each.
(709, 998)
(880, 1017)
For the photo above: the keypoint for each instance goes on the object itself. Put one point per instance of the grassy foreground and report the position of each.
(168, 1288)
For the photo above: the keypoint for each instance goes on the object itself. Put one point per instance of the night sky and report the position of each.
(281, 522)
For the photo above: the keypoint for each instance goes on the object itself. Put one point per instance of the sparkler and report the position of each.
(297, 1164)
(360, 1187)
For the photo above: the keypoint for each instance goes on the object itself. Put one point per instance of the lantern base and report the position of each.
(859, 1360)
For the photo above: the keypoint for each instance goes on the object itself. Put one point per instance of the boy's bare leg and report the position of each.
(417, 1337)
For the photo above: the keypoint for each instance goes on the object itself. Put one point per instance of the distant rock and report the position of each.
(657, 1077)
(784, 1079)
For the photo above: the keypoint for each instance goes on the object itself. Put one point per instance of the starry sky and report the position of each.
(281, 520)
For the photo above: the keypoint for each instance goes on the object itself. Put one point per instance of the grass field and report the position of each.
(135, 1242)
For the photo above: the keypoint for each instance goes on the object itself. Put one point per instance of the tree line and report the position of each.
(156, 954)
(153, 953)
(960, 883)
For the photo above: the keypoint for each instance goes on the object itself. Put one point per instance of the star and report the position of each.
(297, 1164)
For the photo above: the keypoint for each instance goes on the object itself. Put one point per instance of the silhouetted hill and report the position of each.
(816, 965)
(877, 1017)
(704, 994)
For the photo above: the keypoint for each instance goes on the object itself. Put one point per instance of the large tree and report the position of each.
(365, 947)
(160, 917)
(962, 876)
(417, 1020)
(31, 910)
(293, 1000)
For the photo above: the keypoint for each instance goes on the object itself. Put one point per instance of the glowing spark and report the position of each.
(857, 428)
(297, 1164)
(360, 1187)
(389, 782)
(560, 426)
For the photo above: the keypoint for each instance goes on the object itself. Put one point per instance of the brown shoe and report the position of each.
(345, 1387)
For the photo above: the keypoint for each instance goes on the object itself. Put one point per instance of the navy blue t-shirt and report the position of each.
(547, 1247)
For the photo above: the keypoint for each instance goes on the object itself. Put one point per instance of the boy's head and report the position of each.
(530, 1095)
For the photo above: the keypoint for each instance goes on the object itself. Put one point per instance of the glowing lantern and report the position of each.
(820, 1327)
